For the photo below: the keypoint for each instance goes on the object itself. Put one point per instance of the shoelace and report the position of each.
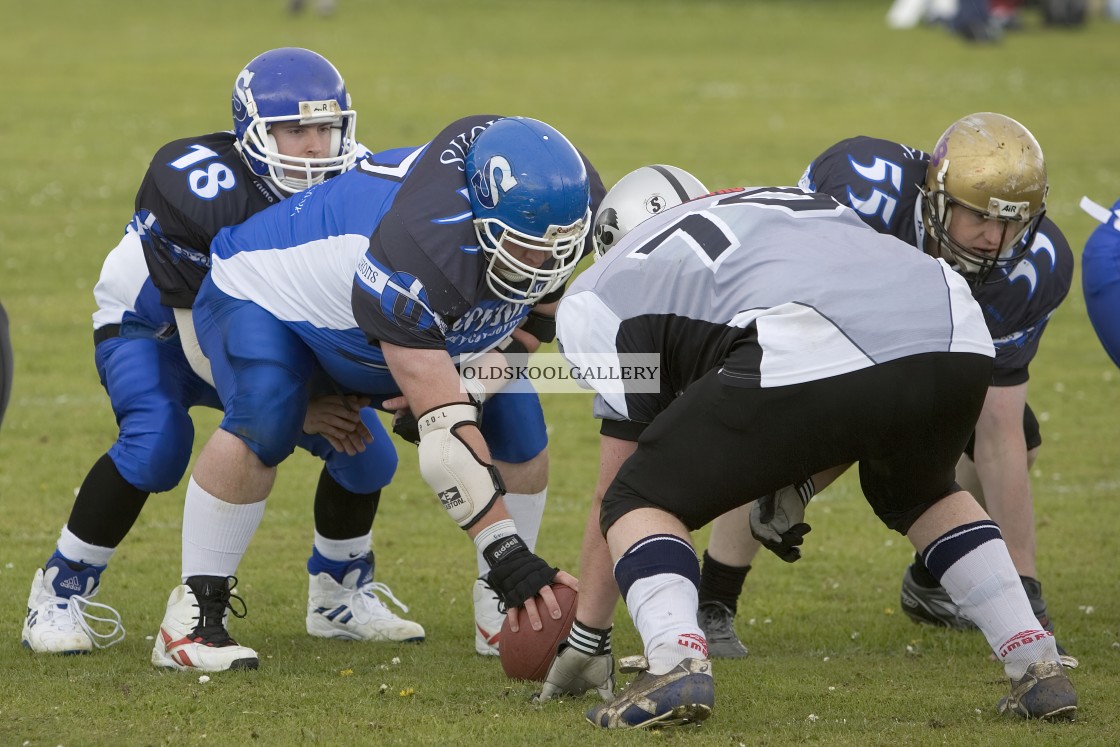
(77, 608)
(212, 613)
(365, 603)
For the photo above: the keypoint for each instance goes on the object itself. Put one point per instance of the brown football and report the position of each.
(527, 654)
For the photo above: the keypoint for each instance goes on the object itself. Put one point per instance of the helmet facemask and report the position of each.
(985, 167)
(294, 173)
(515, 281)
(530, 198)
(294, 85)
(938, 209)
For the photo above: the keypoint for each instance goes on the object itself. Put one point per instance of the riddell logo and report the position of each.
(694, 642)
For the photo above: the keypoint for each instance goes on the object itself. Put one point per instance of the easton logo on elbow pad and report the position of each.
(451, 498)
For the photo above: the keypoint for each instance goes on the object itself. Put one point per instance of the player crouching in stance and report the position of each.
(293, 127)
(382, 278)
(799, 341)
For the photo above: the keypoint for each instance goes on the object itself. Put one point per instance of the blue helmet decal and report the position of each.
(493, 178)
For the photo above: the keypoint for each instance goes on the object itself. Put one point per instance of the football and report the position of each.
(527, 654)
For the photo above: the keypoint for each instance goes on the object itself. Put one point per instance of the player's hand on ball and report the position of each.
(544, 602)
(778, 521)
(574, 673)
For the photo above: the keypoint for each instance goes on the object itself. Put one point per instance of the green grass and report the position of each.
(736, 92)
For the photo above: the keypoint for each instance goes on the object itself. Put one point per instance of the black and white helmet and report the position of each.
(641, 194)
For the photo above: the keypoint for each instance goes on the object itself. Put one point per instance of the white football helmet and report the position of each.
(642, 193)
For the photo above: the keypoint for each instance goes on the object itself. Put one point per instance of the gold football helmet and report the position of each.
(991, 165)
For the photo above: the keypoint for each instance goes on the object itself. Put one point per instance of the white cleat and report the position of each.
(193, 633)
(59, 612)
(488, 619)
(353, 610)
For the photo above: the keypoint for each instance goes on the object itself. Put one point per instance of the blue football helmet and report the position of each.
(292, 85)
(529, 190)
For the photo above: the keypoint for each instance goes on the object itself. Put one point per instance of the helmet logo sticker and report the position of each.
(241, 98)
(606, 228)
(495, 176)
(998, 208)
(654, 204)
(319, 110)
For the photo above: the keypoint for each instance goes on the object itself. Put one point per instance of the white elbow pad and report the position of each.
(466, 485)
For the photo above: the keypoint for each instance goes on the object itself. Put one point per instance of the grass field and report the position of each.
(738, 92)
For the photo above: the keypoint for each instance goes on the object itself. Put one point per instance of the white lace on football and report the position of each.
(367, 606)
(78, 608)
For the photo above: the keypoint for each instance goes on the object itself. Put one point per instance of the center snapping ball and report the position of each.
(527, 654)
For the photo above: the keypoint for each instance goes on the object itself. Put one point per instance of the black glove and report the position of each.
(515, 573)
(405, 426)
(777, 520)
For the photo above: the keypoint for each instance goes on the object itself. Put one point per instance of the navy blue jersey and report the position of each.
(386, 252)
(421, 283)
(193, 188)
(879, 179)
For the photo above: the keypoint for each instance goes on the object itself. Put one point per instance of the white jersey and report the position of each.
(772, 287)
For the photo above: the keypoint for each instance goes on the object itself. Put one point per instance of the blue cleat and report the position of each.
(683, 695)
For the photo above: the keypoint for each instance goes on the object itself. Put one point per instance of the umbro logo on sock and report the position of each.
(694, 642)
(72, 583)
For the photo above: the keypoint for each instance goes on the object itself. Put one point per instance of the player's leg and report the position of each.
(908, 477)
(676, 481)
(726, 562)
(924, 600)
(150, 388)
(344, 600)
(261, 369)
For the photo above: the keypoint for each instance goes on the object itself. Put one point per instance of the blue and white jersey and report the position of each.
(386, 252)
(879, 179)
(125, 293)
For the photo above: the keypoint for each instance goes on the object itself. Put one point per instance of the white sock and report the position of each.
(216, 534)
(987, 587)
(71, 547)
(344, 550)
(526, 510)
(664, 611)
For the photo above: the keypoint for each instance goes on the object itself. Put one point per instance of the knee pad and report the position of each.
(266, 411)
(368, 471)
(154, 447)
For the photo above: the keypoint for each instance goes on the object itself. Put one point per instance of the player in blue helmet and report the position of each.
(526, 187)
(293, 85)
(294, 127)
(1100, 276)
(382, 282)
